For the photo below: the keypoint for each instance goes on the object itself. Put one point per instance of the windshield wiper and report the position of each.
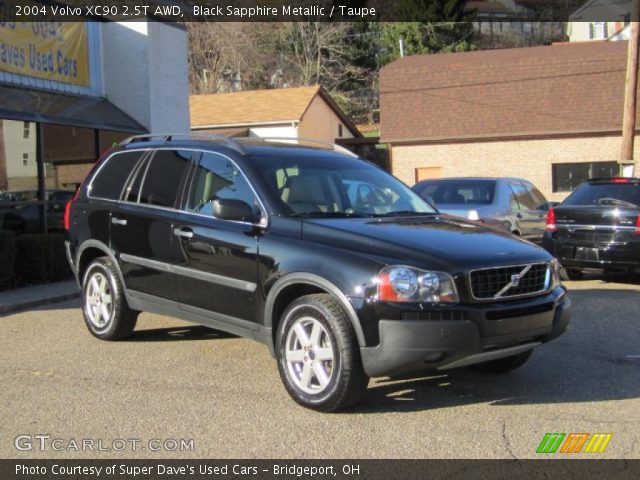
(327, 215)
(616, 201)
(403, 213)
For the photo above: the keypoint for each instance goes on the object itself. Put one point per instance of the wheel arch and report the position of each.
(295, 285)
(89, 251)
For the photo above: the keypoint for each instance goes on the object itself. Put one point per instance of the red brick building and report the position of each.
(551, 114)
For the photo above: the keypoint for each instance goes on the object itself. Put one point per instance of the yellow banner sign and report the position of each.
(49, 50)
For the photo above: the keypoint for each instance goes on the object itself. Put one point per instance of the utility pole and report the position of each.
(631, 84)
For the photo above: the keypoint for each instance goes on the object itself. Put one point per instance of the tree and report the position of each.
(227, 56)
(319, 53)
(441, 26)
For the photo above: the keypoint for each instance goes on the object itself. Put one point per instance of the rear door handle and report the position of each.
(118, 221)
(184, 232)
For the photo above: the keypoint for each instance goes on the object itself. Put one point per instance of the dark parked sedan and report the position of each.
(597, 226)
(510, 203)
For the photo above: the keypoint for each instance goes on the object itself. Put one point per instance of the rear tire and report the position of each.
(104, 307)
(318, 356)
(503, 365)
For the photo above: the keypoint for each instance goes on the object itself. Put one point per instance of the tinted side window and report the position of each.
(218, 178)
(538, 197)
(513, 202)
(112, 176)
(164, 176)
(523, 197)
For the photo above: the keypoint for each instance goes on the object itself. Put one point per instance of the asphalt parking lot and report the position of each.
(173, 380)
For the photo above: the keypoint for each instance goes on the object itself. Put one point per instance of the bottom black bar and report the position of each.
(318, 469)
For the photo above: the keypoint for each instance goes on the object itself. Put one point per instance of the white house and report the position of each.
(599, 20)
(303, 112)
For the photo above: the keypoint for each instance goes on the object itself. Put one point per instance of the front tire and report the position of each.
(104, 307)
(318, 356)
(503, 365)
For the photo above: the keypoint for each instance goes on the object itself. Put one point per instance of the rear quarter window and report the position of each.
(111, 177)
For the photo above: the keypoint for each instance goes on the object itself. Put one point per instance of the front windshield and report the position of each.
(331, 185)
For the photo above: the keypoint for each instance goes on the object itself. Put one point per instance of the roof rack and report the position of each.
(169, 137)
(304, 141)
(234, 144)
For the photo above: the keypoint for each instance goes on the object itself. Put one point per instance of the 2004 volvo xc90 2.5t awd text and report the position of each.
(338, 267)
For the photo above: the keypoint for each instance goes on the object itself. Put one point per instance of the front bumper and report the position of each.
(486, 334)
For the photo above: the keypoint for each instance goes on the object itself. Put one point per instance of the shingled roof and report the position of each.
(566, 89)
(259, 107)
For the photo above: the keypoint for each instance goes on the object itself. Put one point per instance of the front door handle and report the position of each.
(184, 232)
(118, 221)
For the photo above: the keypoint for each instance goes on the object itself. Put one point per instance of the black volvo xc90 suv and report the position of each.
(338, 267)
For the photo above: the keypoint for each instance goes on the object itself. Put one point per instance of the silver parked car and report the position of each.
(514, 204)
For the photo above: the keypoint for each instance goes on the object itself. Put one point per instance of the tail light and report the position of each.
(551, 220)
(637, 230)
(67, 210)
(67, 207)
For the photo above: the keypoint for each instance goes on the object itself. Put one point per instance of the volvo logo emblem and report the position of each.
(515, 281)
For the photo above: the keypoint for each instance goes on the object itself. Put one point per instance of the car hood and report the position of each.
(438, 241)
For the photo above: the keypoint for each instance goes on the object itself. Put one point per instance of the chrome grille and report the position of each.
(512, 281)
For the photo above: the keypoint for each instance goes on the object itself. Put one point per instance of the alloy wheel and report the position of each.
(309, 355)
(98, 300)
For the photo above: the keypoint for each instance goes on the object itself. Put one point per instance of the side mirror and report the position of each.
(231, 209)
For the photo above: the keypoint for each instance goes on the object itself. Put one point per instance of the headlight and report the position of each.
(408, 284)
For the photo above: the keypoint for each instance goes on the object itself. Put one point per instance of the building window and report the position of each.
(598, 30)
(566, 177)
(339, 130)
(26, 130)
(25, 159)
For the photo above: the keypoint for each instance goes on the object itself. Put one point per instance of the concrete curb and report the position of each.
(18, 307)
(7, 308)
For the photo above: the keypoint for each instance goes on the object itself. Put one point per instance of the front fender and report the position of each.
(296, 278)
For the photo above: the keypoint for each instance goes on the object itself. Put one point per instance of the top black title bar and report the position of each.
(495, 11)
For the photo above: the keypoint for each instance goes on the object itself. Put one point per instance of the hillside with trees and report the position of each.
(343, 57)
